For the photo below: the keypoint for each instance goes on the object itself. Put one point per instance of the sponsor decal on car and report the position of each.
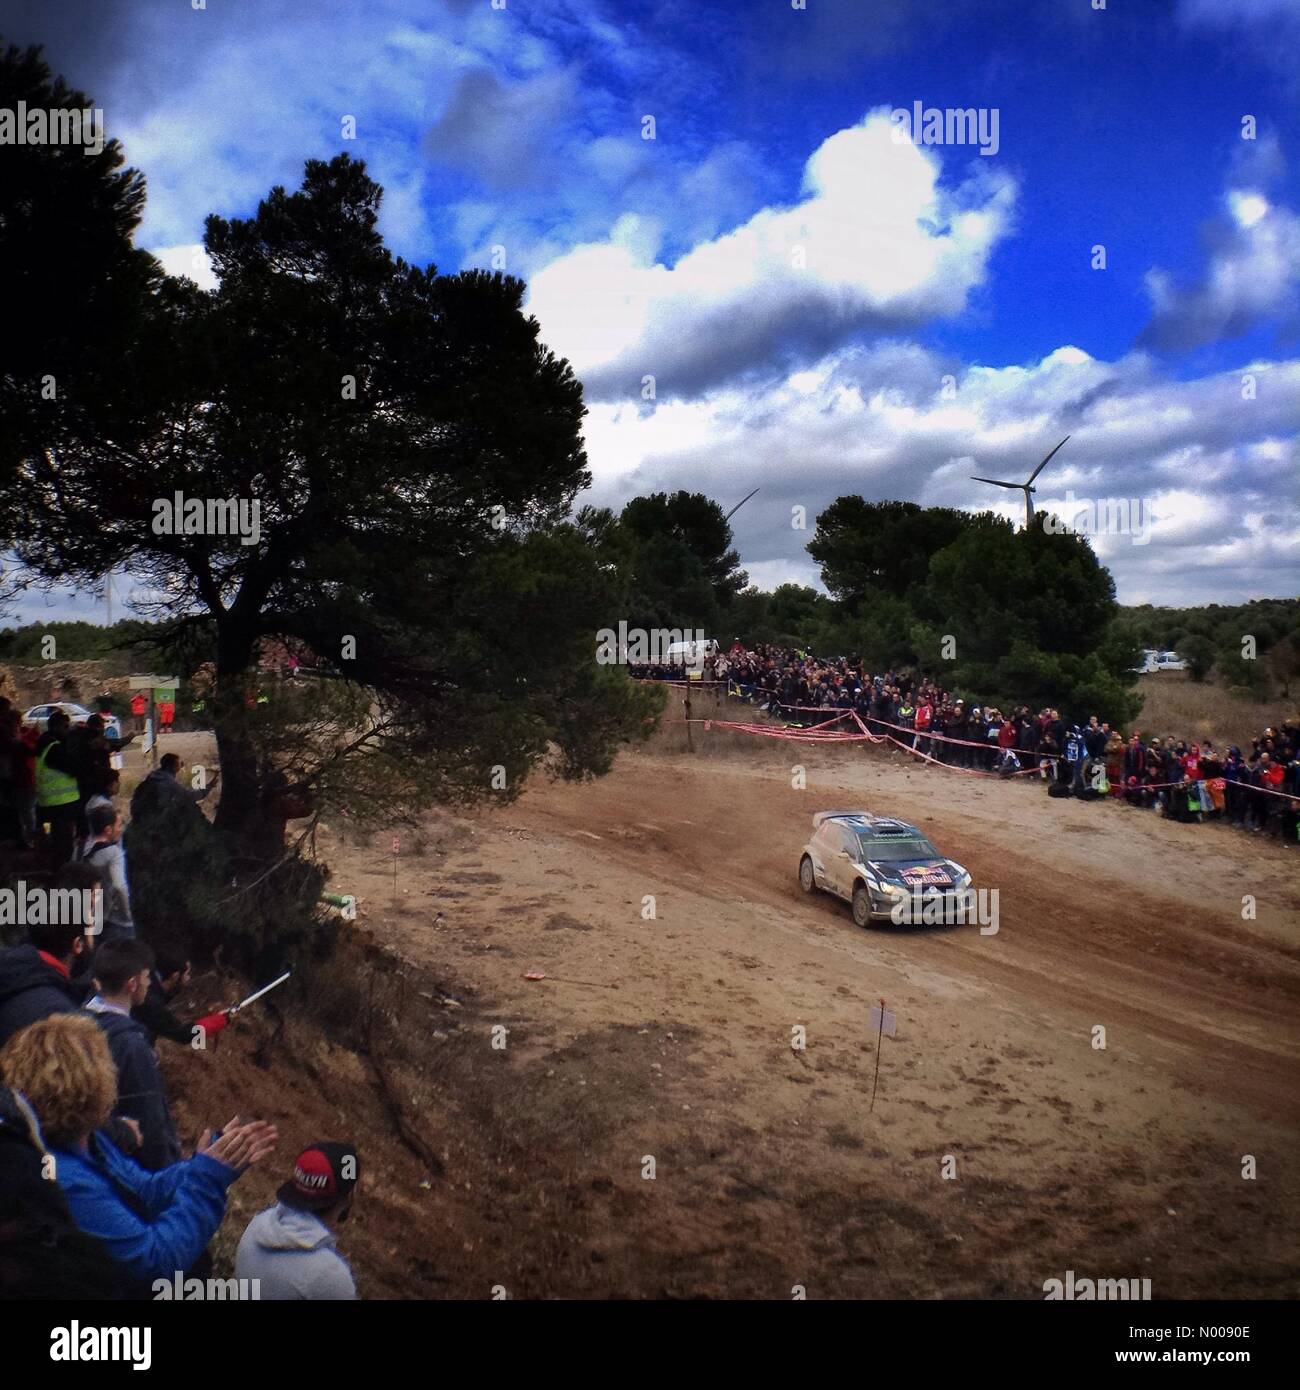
(923, 876)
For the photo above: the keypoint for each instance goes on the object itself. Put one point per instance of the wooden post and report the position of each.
(686, 705)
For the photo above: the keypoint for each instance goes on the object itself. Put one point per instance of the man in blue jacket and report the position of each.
(123, 969)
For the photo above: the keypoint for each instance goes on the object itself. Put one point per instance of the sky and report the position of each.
(762, 280)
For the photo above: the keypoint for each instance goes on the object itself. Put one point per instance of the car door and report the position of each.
(825, 846)
(843, 857)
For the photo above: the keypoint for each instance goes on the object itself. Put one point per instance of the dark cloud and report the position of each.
(85, 41)
(502, 134)
(1252, 277)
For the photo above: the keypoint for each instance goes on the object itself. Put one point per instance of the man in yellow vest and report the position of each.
(58, 800)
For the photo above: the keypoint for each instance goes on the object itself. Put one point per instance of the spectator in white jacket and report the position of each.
(290, 1247)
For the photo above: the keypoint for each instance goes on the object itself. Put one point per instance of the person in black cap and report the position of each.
(290, 1247)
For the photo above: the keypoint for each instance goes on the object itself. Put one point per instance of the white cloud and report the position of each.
(191, 261)
(1252, 277)
(875, 244)
(1247, 208)
(1216, 471)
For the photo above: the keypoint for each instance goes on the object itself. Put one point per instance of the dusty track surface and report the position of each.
(670, 1039)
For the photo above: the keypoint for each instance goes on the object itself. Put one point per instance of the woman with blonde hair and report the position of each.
(153, 1225)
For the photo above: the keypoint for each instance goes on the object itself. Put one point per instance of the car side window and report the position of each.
(848, 841)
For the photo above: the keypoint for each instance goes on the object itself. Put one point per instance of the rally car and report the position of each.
(876, 862)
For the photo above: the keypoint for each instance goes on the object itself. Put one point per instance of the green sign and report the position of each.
(162, 695)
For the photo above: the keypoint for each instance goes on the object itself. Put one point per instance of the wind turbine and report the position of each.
(1027, 488)
(738, 505)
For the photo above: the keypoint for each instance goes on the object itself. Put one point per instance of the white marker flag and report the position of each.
(880, 1021)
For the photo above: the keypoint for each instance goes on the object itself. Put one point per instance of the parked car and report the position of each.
(875, 862)
(39, 717)
(1154, 660)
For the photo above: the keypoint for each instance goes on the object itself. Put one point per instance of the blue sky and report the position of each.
(823, 308)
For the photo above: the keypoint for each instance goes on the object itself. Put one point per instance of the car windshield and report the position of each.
(893, 849)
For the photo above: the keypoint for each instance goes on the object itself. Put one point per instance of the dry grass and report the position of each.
(1174, 704)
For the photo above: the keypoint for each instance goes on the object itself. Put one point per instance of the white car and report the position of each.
(877, 863)
(39, 716)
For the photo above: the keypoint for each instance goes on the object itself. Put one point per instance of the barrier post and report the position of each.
(686, 706)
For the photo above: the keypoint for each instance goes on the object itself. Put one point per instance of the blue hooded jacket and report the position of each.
(151, 1224)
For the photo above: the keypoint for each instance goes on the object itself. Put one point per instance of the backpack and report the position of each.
(105, 880)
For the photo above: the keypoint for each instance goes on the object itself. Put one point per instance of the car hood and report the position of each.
(919, 873)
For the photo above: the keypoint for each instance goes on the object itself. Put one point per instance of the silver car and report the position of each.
(879, 864)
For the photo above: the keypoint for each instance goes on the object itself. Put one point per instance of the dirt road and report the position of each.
(1007, 1145)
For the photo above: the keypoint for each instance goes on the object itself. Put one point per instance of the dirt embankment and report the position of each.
(76, 681)
(1006, 1145)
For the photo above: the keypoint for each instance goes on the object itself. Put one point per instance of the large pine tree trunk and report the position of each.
(241, 818)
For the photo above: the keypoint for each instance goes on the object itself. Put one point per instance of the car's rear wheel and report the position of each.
(861, 906)
(807, 879)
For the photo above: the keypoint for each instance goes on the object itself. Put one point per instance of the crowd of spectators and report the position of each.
(1257, 789)
(98, 1196)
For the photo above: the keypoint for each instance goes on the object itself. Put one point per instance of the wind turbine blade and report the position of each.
(995, 482)
(738, 505)
(1044, 463)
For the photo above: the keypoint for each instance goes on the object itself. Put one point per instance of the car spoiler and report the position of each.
(835, 815)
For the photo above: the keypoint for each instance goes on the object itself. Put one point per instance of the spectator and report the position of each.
(108, 786)
(1071, 769)
(163, 795)
(104, 853)
(88, 754)
(290, 1247)
(1213, 786)
(1049, 757)
(1234, 797)
(122, 971)
(170, 975)
(152, 1225)
(1135, 760)
(43, 1254)
(924, 717)
(36, 980)
(1007, 735)
(57, 796)
(18, 771)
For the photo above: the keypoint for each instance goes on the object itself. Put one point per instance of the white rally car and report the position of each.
(877, 862)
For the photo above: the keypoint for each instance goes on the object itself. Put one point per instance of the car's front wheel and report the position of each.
(861, 906)
(807, 879)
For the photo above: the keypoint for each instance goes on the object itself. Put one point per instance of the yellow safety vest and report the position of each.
(53, 788)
